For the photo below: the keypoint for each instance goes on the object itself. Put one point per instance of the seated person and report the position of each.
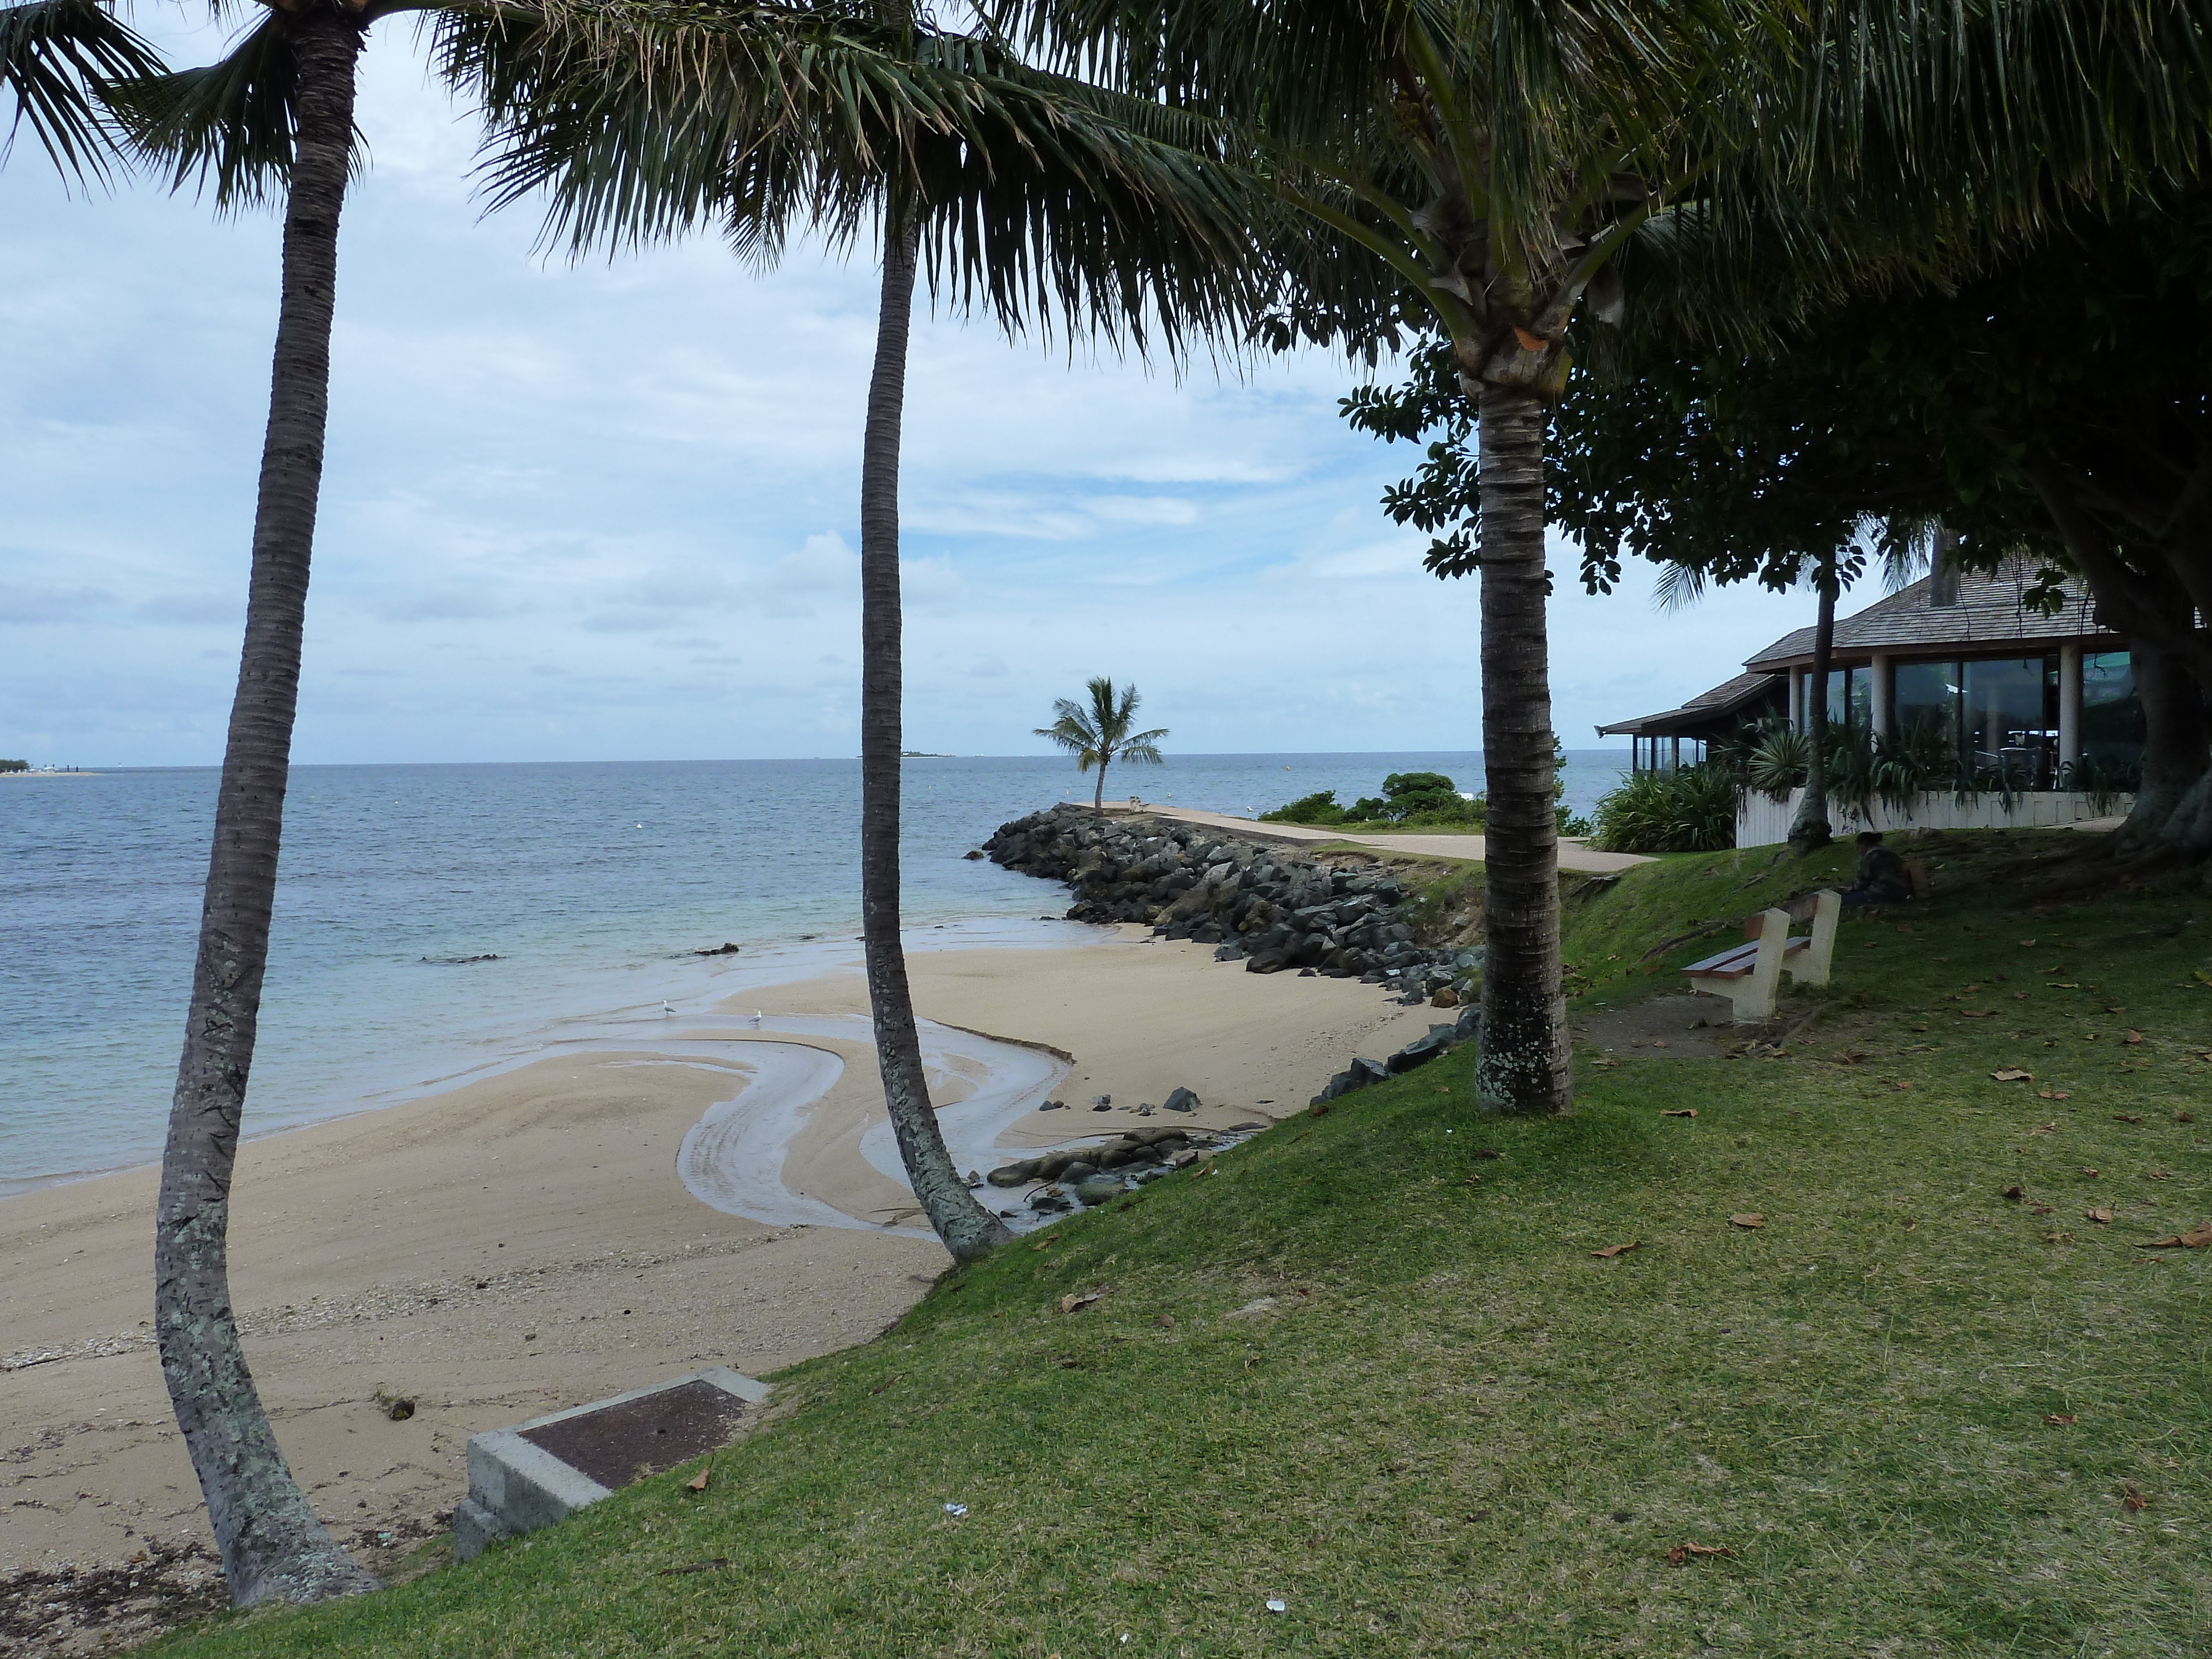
(1881, 879)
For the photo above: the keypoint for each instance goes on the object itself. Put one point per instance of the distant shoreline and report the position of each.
(52, 772)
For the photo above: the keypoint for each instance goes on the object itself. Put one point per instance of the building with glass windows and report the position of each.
(2015, 690)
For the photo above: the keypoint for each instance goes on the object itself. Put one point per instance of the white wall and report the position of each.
(1760, 822)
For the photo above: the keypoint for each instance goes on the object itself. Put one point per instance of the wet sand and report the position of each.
(525, 1241)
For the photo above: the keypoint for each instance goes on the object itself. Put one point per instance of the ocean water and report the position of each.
(590, 884)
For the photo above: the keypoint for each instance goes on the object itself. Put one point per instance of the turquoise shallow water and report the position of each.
(587, 882)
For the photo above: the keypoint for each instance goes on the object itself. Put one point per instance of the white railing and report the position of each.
(1760, 822)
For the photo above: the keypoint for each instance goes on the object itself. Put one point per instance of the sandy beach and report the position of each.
(528, 1241)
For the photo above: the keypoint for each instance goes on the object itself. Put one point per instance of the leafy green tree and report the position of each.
(57, 58)
(1100, 734)
(1870, 419)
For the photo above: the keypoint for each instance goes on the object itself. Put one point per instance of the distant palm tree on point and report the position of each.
(1100, 735)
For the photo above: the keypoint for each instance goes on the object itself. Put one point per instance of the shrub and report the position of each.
(1689, 810)
(1320, 807)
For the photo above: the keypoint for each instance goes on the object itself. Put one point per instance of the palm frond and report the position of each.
(1040, 201)
(228, 125)
(57, 59)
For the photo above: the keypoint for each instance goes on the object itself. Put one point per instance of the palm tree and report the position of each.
(279, 108)
(1032, 196)
(55, 58)
(1493, 158)
(1100, 735)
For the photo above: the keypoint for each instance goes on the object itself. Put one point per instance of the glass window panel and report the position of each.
(2112, 712)
(1850, 697)
(1928, 694)
(2008, 718)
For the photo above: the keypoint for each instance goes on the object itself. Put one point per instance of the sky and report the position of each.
(608, 510)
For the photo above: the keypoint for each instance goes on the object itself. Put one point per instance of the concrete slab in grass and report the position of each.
(532, 1475)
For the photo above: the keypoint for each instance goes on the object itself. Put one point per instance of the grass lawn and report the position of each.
(1368, 1367)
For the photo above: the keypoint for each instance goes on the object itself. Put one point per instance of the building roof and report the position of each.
(1707, 709)
(1989, 614)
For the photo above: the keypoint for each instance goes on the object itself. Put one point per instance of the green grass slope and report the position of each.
(1369, 1368)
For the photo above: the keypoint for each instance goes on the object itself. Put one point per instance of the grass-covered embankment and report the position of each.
(1368, 1367)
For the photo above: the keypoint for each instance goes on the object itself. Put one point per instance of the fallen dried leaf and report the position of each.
(1612, 1251)
(2184, 1117)
(1486, 1152)
(1198, 1173)
(2038, 1209)
(2061, 1419)
(2014, 1074)
(1682, 1553)
(1074, 1300)
(888, 1382)
(2133, 1036)
(1977, 1013)
(698, 1482)
(2196, 1239)
(2028, 944)
(1678, 1111)
(695, 1566)
(2099, 1216)
(2127, 1117)
(1902, 1083)
(1749, 1222)
(1049, 1238)
(2088, 1173)
(2058, 1238)
(1165, 1321)
(2049, 1128)
(2014, 1193)
(1319, 1109)
(2055, 1094)
(2131, 1497)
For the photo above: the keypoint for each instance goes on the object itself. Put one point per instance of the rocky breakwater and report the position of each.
(1346, 917)
(1096, 1175)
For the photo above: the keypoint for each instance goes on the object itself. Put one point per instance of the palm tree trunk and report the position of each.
(968, 1231)
(1810, 830)
(273, 1547)
(1098, 796)
(1526, 1064)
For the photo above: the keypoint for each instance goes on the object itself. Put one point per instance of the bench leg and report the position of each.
(1755, 1000)
(1811, 967)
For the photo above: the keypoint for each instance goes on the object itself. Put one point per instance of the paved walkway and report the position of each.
(1573, 855)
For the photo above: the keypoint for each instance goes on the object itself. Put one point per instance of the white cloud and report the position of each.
(574, 510)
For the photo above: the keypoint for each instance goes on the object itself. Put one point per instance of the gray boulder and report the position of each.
(1181, 1101)
(1101, 1190)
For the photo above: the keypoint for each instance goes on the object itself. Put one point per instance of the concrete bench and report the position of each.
(1748, 973)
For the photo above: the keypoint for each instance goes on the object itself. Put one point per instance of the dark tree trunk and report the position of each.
(273, 1547)
(2171, 815)
(968, 1231)
(1810, 830)
(1526, 1064)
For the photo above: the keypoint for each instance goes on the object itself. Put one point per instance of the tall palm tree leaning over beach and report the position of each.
(1031, 197)
(1100, 735)
(57, 56)
(278, 109)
